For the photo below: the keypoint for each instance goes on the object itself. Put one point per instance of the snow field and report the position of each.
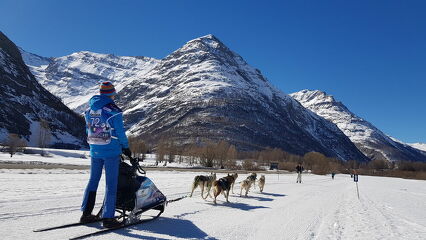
(319, 208)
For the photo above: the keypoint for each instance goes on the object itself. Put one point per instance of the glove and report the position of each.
(134, 162)
(127, 152)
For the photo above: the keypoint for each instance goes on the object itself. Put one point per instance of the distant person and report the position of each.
(299, 170)
(332, 175)
(353, 172)
(107, 140)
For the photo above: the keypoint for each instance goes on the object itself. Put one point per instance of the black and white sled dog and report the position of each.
(252, 178)
(205, 182)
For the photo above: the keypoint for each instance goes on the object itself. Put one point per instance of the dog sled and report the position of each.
(136, 193)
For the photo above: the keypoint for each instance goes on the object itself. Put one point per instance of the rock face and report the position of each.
(205, 91)
(370, 140)
(24, 102)
(75, 78)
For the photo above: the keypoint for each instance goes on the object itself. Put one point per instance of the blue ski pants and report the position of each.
(111, 178)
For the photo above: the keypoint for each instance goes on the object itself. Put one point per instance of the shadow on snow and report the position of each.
(262, 199)
(241, 206)
(273, 194)
(173, 227)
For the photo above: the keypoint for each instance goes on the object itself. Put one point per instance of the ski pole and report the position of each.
(357, 189)
(356, 182)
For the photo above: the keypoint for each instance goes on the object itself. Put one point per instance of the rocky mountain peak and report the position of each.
(313, 96)
(208, 48)
(209, 41)
(368, 138)
(208, 63)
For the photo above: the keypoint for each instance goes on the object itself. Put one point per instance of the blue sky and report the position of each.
(369, 54)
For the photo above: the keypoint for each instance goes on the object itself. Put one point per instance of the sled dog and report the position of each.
(261, 183)
(252, 178)
(223, 185)
(205, 182)
(245, 185)
(235, 175)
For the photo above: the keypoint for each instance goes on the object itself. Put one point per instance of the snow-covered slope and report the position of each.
(370, 140)
(420, 146)
(24, 102)
(75, 78)
(204, 91)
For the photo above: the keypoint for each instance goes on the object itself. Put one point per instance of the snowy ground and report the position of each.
(319, 208)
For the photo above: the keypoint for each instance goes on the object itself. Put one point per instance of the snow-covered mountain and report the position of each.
(370, 140)
(24, 102)
(205, 91)
(201, 91)
(420, 146)
(75, 78)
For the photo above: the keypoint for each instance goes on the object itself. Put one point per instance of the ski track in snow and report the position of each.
(319, 208)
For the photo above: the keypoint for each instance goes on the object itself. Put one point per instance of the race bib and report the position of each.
(99, 130)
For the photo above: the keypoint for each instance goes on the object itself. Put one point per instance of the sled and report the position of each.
(136, 193)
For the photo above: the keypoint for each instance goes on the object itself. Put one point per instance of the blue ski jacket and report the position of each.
(119, 140)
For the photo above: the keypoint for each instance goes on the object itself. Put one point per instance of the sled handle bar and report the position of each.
(135, 164)
(140, 169)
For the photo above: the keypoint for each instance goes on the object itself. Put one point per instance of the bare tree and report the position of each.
(193, 153)
(44, 135)
(138, 147)
(171, 150)
(208, 154)
(161, 151)
(318, 163)
(14, 144)
(231, 156)
(249, 165)
(378, 164)
(221, 152)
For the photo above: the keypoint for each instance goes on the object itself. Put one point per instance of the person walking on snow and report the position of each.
(299, 170)
(107, 140)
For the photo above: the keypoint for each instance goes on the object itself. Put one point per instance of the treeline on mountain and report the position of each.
(223, 155)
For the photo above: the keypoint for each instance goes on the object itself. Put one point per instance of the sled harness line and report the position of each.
(176, 199)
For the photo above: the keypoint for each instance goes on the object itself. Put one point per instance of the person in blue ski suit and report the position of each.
(107, 154)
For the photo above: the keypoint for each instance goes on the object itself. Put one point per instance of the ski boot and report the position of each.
(111, 223)
(88, 218)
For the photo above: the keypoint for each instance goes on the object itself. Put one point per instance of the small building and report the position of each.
(273, 166)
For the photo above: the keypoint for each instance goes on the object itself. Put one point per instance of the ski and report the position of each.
(104, 231)
(64, 226)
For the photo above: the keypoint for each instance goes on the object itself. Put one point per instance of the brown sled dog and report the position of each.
(245, 185)
(223, 185)
(261, 183)
(203, 182)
